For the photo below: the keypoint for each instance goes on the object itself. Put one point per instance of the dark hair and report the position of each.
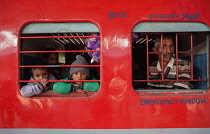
(165, 36)
(34, 68)
(46, 55)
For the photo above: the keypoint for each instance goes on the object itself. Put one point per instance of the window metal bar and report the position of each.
(153, 52)
(59, 37)
(162, 69)
(22, 66)
(168, 80)
(191, 55)
(72, 51)
(61, 81)
(147, 51)
(184, 52)
(177, 57)
(185, 71)
(155, 71)
(207, 51)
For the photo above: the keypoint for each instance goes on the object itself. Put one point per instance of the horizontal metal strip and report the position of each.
(71, 51)
(61, 81)
(59, 66)
(168, 80)
(181, 52)
(47, 37)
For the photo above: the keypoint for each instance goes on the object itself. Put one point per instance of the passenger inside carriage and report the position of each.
(35, 88)
(167, 62)
(77, 73)
(52, 59)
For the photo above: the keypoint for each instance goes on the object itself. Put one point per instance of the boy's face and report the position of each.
(39, 74)
(52, 59)
(79, 76)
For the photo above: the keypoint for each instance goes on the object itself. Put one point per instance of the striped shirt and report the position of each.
(170, 74)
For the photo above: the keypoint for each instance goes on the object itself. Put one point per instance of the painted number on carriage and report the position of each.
(117, 15)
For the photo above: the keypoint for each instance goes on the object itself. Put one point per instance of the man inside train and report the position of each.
(166, 61)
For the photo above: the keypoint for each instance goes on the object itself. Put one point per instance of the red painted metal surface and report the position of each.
(116, 105)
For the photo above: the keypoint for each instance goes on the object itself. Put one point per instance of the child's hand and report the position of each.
(47, 88)
(79, 89)
(75, 84)
(82, 90)
(44, 83)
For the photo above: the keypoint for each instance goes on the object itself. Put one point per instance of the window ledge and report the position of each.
(65, 95)
(171, 92)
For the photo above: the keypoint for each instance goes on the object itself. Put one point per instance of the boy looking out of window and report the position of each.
(35, 88)
(77, 73)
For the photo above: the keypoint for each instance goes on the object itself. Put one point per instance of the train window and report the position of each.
(170, 57)
(64, 54)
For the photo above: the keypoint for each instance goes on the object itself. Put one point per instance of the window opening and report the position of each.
(37, 44)
(190, 56)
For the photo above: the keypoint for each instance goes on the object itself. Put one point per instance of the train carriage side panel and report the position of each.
(116, 105)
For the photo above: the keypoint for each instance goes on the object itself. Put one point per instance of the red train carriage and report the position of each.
(117, 39)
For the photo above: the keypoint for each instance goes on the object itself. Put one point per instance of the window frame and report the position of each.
(171, 27)
(57, 27)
